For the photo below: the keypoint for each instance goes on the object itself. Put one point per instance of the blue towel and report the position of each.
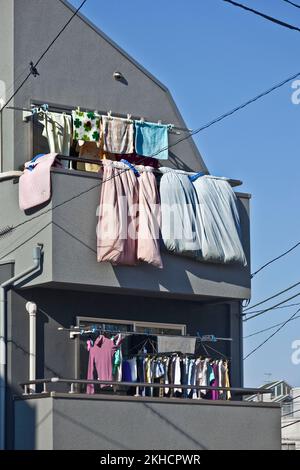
(150, 139)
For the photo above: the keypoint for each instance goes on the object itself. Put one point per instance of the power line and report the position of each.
(230, 113)
(290, 424)
(272, 335)
(263, 15)
(270, 298)
(271, 308)
(278, 308)
(33, 66)
(275, 259)
(291, 3)
(267, 329)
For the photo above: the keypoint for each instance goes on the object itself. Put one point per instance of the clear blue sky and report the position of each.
(212, 57)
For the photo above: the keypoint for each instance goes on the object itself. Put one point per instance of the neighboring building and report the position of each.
(71, 288)
(289, 399)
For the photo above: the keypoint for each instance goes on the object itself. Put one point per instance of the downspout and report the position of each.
(32, 310)
(4, 288)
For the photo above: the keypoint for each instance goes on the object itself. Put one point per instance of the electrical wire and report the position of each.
(275, 259)
(272, 335)
(269, 298)
(291, 3)
(271, 308)
(290, 424)
(263, 15)
(267, 329)
(279, 308)
(229, 113)
(33, 67)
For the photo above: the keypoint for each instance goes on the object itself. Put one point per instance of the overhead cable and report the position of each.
(272, 335)
(263, 15)
(33, 66)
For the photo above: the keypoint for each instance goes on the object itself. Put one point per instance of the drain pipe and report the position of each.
(4, 288)
(32, 309)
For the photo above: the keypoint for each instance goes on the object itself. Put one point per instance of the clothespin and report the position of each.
(45, 107)
(135, 171)
(142, 119)
(129, 117)
(78, 109)
(159, 122)
(193, 178)
(109, 114)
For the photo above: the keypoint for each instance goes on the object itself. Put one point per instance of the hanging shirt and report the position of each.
(57, 131)
(101, 358)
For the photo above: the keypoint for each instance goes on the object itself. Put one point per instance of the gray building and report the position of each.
(70, 288)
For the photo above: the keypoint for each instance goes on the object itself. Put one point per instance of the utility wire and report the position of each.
(263, 15)
(291, 3)
(275, 259)
(269, 298)
(290, 424)
(272, 335)
(267, 329)
(278, 308)
(230, 113)
(33, 66)
(271, 308)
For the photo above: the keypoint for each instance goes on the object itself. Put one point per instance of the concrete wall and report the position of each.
(69, 237)
(116, 424)
(77, 71)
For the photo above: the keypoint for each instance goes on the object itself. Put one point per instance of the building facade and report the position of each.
(67, 284)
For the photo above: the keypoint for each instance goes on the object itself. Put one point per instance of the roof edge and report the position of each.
(114, 44)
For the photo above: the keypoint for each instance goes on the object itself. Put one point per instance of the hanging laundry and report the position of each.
(57, 130)
(118, 135)
(86, 126)
(219, 222)
(152, 140)
(91, 151)
(123, 239)
(35, 182)
(176, 343)
(101, 360)
(180, 213)
(148, 249)
(118, 212)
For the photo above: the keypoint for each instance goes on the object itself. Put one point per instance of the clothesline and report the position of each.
(77, 331)
(68, 110)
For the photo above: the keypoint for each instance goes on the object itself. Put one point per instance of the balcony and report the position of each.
(56, 420)
(66, 227)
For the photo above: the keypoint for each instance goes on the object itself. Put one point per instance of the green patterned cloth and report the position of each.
(86, 126)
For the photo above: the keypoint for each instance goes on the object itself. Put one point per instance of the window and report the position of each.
(287, 409)
(117, 326)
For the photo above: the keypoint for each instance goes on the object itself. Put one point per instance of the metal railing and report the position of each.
(73, 382)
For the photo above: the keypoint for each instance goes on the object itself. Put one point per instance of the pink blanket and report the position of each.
(35, 184)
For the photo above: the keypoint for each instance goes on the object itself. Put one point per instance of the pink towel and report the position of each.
(35, 185)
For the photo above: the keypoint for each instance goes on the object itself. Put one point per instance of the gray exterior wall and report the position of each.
(64, 80)
(63, 423)
(68, 234)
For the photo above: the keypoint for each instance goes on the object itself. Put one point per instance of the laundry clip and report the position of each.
(193, 178)
(135, 171)
(109, 114)
(142, 120)
(129, 118)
